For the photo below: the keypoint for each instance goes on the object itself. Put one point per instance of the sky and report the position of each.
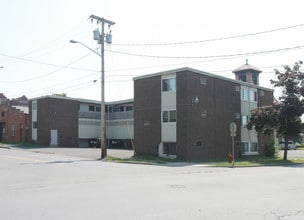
(215, 36)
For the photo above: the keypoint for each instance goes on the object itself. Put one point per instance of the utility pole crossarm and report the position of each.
(102, 19)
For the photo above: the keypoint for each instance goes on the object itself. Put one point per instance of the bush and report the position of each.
(271, 150)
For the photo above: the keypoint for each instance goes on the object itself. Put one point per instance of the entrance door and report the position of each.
(54, 138)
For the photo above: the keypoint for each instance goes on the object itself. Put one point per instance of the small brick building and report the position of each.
(13, 124)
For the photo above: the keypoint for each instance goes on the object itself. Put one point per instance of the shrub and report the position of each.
(271, 150)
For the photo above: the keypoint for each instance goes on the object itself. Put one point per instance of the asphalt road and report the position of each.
(37, 185)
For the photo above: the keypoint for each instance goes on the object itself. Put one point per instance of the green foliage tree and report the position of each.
(283, 116)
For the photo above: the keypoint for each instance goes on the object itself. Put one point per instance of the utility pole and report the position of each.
(100, 37)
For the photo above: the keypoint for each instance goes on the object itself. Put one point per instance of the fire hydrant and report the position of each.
(230, 158)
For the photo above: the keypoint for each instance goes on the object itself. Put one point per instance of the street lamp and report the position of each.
(78, 42)
(102, 107)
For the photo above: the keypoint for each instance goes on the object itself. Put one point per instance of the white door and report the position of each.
(54, 138)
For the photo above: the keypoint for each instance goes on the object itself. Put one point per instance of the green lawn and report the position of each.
(240, 162)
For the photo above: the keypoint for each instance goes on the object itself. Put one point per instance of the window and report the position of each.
(165, 116)
(244, 94)
(249, 148)
(2, 114)
(121, 108)
(169, 116)
(244, 120)
(34, 125)
(169, 148)
(168, 85)
(253, 96)
(98, 109)
(172, 116)
(129, 108)
(34, 106)
(116, 109)
(91, 108)
(242, 78)
(255, 79)
(248, 95)
(12, 130)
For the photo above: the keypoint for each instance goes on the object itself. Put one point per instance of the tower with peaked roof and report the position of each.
(247, 73)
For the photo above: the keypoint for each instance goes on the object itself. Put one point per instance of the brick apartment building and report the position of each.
(71, 122)
(186, 113)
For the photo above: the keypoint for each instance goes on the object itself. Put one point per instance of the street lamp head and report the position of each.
(74, 41)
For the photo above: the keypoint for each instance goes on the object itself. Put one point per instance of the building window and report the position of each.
(169, 148)
(12, 130)
(169, 116)
(253, 96)
(244, 120)
(98, 108)
(116, 109)
(91, 108)
(34, 106)
(168, 85)
(129, 108)
(244, 94)
(165, 116)
(121, 108)
(34, 125)
(242, 78)
(2, 114)
(249, 148)
(172, 117)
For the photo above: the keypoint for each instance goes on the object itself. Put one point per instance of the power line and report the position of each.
(47, 74)
(210, 56)
(214, 39)
(45, 63)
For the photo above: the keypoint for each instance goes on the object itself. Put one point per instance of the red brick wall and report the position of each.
(9, 117)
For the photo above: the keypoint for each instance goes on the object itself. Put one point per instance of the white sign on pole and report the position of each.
(232, 129)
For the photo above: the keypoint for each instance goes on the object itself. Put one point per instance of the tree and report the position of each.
(283, 116)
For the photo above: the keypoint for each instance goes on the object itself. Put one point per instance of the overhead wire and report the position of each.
(49, 73)
(210, 56)
(211, 40)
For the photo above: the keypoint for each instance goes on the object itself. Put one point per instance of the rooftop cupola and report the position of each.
(247, 73)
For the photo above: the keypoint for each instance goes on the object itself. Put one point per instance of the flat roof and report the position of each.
(168, 72)
(83, 100)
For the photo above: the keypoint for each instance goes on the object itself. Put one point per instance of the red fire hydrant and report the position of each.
(230, 158)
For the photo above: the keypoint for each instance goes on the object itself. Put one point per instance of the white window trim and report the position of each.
(251, 153)
(169, 122)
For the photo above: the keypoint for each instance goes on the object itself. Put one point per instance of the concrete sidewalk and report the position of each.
(89, 153)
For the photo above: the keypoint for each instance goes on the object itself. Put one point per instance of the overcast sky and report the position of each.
(38, 58)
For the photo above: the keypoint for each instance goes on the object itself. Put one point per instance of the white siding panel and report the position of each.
(168, 132)
(89, 128)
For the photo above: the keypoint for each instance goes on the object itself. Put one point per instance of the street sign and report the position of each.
(232, 129)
